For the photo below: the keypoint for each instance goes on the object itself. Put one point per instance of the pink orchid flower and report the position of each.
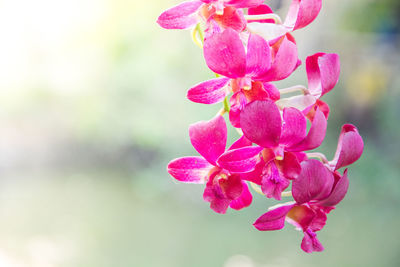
(224, 187)
(247, 73)
(323, 71)
(225, 13)
(349, 149)
(281, 138)
(301, 13)
(316, 191)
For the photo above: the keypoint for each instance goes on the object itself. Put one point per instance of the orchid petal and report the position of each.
(289, 166)
(258, 56)
(244, 200)
(310, 242)
(238, 101)
(225, 54)
(338, 192)
(232, 18)
(180, 16)
(319, 104)
(350, 147)
(261, 123)
(268, 31)
(273, 184)
(256, 175)
(240, 160)
(294, 127)
(189, 169)
(285, 60)
(273, 92)
(301, 13)
(315, 182)
(244, 3)
(315, 135)
(209, 92)
(301, 217)
(273, 219)
(323, 72)
(260, 10)
(209, 138)
(241, 142)
(220, 193)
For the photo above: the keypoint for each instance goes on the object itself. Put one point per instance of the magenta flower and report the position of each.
(246, 73)
(323, 72)
(300, 14)
(280, 137)
(316, 191)
(225, 13)
(248, 50)
(349, 149)
(224, 186)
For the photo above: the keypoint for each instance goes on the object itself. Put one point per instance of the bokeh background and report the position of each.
(92, 107)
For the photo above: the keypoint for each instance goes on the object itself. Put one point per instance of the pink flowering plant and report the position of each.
(249, 47)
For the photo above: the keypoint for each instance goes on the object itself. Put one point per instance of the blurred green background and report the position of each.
(92, 107)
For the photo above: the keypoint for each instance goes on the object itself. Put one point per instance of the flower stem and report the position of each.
(256, 188)
(286, 194)
(226, 105)
(273, 16)
(198, 31)
(293, 89)
(319, 156)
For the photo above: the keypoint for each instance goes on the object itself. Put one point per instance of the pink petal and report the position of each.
(238, 101)
(289, 166)
(261, 123)
(209, 92)
(269, 31)
(189, 169)
(232, 186)
(273, 184)
(284, 61)
(301, 216)
(225, 54)
(259, 10)
(232, 18)
(350, 147)
(323, 72)
(258, 56)
(256, 175)
(209, 138)
(241, 159)
(319, 220)
(315, 135)
(301, 13)
(244, 3)
(338, 192)
(309, 112)
(244, 200)
(273, 219)
(315, 182)
(294, 127)
(241, 142)
(310, 242)
(272, 90)
(180, 16)
(220, 192)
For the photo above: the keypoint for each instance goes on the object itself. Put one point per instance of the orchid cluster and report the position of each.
(248, 47)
